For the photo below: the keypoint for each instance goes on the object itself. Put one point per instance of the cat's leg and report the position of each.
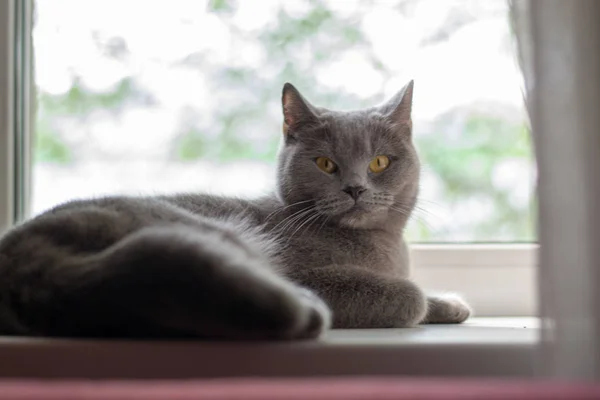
(446, 309)
(201, 283)
(360, 298)
(163, 281)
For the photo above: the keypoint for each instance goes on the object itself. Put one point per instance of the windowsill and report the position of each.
(475, 332)
(482, 347)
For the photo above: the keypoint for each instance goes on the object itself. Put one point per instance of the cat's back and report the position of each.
(104, 220)
(255, 211)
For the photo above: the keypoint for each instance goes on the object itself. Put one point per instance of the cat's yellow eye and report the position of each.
(379, 164)
(326, 165)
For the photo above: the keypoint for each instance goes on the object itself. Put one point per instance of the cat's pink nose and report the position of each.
(354, 191)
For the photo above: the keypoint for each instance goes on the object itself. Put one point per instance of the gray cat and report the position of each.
(325, 249)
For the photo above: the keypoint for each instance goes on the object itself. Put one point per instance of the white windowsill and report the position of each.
(495, 279)
(481, 347)
(478, 331)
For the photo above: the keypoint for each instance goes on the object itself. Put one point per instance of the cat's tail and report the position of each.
(163, 282)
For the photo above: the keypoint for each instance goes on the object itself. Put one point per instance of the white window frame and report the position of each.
(15, 110)
(496, 279)
(6, 114)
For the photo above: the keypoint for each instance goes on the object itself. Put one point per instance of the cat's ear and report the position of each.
(398, 109)
(296, 110)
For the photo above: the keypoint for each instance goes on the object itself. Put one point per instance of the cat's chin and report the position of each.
(358, 218)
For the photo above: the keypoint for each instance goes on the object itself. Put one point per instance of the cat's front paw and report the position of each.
(413, 305)
(318, 319)
(447, 309)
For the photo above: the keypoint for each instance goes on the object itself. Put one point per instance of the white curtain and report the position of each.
(559, 47)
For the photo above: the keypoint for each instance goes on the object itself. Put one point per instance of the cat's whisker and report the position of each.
(297, 218)
(420, 203)
(432, 202)
(287, 219)
(291, 221)
(284, 208)
(402, 211)
(296, 224)
(309, 218)
(427, 213)
(419, 211)
(416, 216)
(322, 224)
(317, 216)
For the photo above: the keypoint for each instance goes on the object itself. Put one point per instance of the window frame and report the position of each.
(562, 58)
(496, 279)
(16, 101)
(7, 148)
(24, 107)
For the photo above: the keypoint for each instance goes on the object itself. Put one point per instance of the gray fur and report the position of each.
(201, 266)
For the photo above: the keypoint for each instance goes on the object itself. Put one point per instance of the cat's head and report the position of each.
(359, 168)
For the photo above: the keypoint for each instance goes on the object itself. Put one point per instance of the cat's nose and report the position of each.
(354, 191)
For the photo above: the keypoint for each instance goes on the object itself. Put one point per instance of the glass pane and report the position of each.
(143, 97)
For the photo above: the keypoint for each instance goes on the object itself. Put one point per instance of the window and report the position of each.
(187, 98)
(563, 37)
(195, 104)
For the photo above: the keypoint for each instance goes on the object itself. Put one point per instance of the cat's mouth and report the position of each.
(357, 210)
(349, 209)
(363, 209)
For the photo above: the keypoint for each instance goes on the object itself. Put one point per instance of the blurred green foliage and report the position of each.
(464, 167)
(49, 148)
(80, 101)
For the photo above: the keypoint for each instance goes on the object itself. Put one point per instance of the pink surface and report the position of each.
(293, 389)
